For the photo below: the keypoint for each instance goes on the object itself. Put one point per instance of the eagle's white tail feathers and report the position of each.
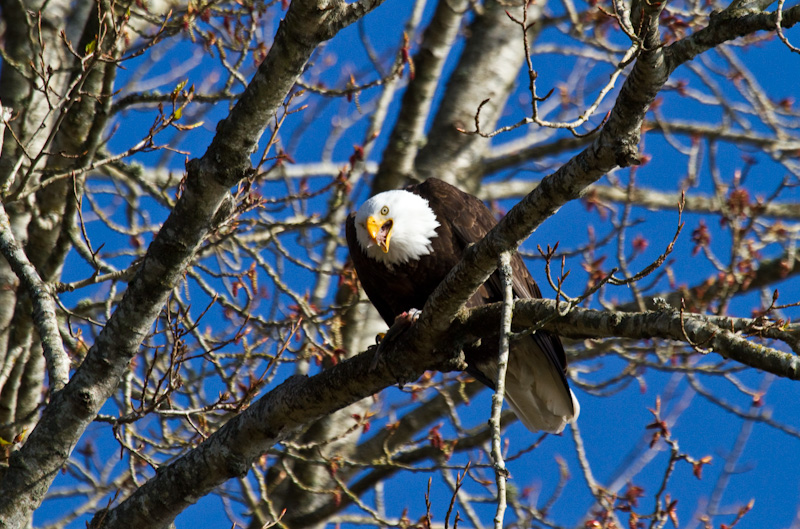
(535, 392)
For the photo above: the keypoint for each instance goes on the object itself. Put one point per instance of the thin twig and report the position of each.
(500, 471)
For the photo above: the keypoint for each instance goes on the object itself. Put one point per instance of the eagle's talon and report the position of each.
(412, 316)
(401, 323)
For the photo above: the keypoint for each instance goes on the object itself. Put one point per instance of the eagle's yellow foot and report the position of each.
(401, 323)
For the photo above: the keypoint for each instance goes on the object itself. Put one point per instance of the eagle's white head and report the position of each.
(395, 227)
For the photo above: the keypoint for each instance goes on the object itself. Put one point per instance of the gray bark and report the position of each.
(32, 469)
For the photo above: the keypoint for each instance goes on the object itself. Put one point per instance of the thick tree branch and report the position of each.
(722, 335)
(233, 448)
(32, 469)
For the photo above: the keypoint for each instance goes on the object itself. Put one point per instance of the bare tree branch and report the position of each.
(33, 468)
(44, 309)
(722, 335)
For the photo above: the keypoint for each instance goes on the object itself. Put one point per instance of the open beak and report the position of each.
(380, 233)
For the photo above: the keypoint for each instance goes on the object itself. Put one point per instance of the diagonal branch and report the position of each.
(616, 145)
(239, 443)
(204, 201)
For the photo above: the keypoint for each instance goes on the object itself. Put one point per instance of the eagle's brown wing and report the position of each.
(536, 383)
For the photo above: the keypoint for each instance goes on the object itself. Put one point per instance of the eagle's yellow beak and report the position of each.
(380, 232)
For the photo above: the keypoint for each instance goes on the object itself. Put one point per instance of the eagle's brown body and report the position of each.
(464, 220)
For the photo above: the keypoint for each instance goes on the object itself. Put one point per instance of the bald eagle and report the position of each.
(404, 242)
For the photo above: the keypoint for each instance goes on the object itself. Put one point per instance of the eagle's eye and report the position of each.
(385, 210)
